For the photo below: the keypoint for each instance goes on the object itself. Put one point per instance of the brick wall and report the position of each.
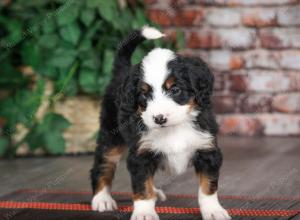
(253, 47)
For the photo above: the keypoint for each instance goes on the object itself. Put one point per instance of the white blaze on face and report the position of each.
(179, 140)
(155, 74)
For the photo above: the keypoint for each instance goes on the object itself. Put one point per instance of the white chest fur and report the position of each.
(177, 143)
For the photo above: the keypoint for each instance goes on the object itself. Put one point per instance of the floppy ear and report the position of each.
(201, 80)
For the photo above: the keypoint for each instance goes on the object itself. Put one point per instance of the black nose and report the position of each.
(159, 119)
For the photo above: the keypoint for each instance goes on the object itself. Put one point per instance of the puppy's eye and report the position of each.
(175, 90)
(144, 91)
(145, 88)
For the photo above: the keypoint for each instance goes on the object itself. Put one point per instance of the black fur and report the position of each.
(209, 164)
(141, 167)
(121, 123)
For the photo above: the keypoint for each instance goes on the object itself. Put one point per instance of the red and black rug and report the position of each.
(59, 205)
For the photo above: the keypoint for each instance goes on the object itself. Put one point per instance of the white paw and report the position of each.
(103, 201)
(144, 216)
(214, 213)
(144, 210)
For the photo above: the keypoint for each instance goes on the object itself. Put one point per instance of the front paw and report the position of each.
(144, 210)
(144, 216)
(214, 213)
(103, 201)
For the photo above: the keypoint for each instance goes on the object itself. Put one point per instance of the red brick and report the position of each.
(253, 103)
(170, 35)
(230, 17)
(219, 82)
(261, 59)
(178, 4)
(231, 38)
(265, 2)
(279, 38)
(204, 39)
(238, 83)
(188, 17)
(240, 125)
(288, 103)
(285, 81)
(247, 2)
(225, 60)
(268, 81)
(259, 17)
(236, 62)
(239, 38)
(161, 17)
(280, 124)
(224, 103)
(295, 80)
(290, 59)
(289, 16)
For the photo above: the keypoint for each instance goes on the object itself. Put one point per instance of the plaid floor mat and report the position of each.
(59, 205)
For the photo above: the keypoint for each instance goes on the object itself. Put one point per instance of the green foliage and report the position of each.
(43, 134)
(69, 42)
(3, 146)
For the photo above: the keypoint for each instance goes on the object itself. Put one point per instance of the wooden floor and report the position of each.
(252, 166)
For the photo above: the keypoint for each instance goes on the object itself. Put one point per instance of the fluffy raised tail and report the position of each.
(128, 45)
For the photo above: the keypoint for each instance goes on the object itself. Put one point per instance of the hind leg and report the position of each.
(102, 175)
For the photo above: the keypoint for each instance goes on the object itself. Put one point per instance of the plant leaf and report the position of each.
(62, 58)
(49, 25)
(87, 16)
(88, 80)
(48, 41)
(67, 14)
(53, 121)
(30, 54)
(35, 137)
(55, 142)
(108, 9)
(71, 33)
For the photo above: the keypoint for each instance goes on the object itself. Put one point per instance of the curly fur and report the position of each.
(125, 109)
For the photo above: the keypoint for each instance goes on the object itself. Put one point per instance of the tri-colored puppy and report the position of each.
(160, 109)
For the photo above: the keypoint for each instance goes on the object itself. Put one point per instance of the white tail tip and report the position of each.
(151, 33)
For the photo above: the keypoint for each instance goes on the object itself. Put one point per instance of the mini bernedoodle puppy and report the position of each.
(160, 109)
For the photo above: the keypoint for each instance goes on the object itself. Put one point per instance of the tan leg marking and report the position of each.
(206, 184)
(111, 157)
(149, 192)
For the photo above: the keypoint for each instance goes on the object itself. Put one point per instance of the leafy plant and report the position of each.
(68, 42)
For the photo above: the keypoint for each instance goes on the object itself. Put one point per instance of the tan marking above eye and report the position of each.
(192, 103)
(140, 109)
(169, 83)
(145, 88)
